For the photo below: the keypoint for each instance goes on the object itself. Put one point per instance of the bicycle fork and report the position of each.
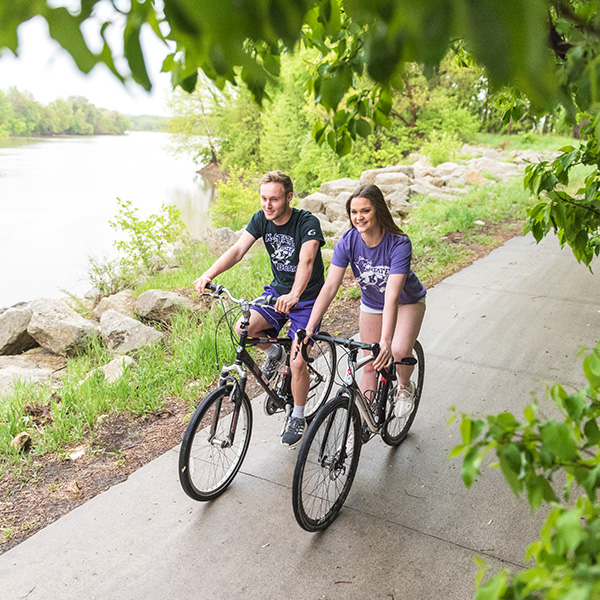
(237, 392)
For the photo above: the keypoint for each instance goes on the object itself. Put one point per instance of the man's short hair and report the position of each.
(278, 177)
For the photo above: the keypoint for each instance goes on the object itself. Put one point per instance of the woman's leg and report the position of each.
(408, 325)
(369, 325)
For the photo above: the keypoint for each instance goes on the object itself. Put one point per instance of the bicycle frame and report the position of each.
(244, 359)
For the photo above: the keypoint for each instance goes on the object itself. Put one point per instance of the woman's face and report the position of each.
(362, 215)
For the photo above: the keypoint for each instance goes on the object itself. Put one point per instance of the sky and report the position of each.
(48, 72)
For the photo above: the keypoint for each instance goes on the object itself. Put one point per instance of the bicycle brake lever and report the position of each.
(301, 337)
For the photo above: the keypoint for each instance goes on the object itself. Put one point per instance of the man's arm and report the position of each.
(226, 261)
(306, 260)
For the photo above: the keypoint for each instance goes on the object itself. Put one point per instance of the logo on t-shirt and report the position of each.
(372, 276)
(282, 250)
(312, 232)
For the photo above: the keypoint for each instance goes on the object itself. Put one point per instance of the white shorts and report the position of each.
(379, 311)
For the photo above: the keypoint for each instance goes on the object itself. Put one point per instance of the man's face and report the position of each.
(273, 200)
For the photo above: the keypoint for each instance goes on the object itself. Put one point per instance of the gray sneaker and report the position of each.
(293, 432)
(270, 366)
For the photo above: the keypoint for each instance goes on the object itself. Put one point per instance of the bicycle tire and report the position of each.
(396, 429)
(321, 485)
(322, 374)
(206, 469)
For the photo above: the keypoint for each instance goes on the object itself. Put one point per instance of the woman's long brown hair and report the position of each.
(382, 213)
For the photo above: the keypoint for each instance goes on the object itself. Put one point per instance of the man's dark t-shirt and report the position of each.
(283, 243)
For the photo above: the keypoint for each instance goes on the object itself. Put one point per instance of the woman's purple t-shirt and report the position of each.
(373, 266)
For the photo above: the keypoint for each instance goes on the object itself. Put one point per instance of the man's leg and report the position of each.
(294, 429)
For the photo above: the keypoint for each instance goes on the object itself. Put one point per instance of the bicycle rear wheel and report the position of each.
(323, 477)
(322, 374)
(396, 429)
(207, 463)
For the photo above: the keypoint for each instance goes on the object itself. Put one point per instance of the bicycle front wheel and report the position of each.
(326, 465)
(208, 460)
(322, 373)
(396, 429)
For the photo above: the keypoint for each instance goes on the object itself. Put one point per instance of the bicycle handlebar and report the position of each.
(346, 342)
(219, 290)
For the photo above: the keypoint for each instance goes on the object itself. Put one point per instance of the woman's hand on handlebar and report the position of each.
(385, 357)
(303, 336)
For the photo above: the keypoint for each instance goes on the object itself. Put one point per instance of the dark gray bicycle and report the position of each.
(218, 435)
(330, 450)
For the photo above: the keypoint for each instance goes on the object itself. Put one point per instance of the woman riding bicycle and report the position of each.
(392, 297)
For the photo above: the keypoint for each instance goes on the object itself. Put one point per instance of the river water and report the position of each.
(57, 196)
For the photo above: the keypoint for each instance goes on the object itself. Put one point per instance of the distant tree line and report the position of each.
(148, 123)
(22, 115)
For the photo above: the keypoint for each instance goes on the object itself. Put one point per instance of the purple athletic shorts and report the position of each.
(298, 316)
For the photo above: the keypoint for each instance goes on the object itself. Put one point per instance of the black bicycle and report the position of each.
(217, 437)
(330, 451)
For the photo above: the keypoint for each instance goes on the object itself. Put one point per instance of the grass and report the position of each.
(184, 366)
(525, 141)
(430, 221)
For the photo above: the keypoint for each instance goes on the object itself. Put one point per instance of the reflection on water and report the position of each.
(57, 197)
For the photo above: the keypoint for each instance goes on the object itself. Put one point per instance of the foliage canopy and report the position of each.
(548, 49)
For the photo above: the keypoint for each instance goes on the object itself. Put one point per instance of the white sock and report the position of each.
(298, 412)
(272, 351)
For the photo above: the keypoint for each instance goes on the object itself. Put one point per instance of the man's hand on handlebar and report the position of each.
(201, 283)
(285, 303)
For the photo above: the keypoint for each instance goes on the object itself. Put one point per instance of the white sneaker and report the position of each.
(405, 400)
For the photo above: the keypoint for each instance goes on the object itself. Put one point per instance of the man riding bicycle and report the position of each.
(293, 239)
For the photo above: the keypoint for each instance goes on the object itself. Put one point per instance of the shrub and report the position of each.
(236, 201)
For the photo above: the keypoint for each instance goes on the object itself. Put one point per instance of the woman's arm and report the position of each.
(326, 295)
(394, 287)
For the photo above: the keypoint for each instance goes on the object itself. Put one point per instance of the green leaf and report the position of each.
(334, 86)
(65, 29)
(493, 589)
(133, 53)
(569, 533)
(344, 144)
(592, 432)
(558, 439)
(575, 405)
(591, 368)
(510, 464)
(470, 469)
(363, 128)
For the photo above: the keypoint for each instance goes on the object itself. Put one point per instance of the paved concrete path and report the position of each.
(506, 326)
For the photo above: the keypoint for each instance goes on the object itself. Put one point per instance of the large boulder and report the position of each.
(114, 370)
(220, 240)
(14, 338)
(35, 366)
(335, 211)
(57, 327)
(160, 305)
(123, 334)
(399, 205)
(369, 176)
(388, 190)
(336, 187)
(495, 167)
(123, 302)
(392, 179)
(315, 203)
